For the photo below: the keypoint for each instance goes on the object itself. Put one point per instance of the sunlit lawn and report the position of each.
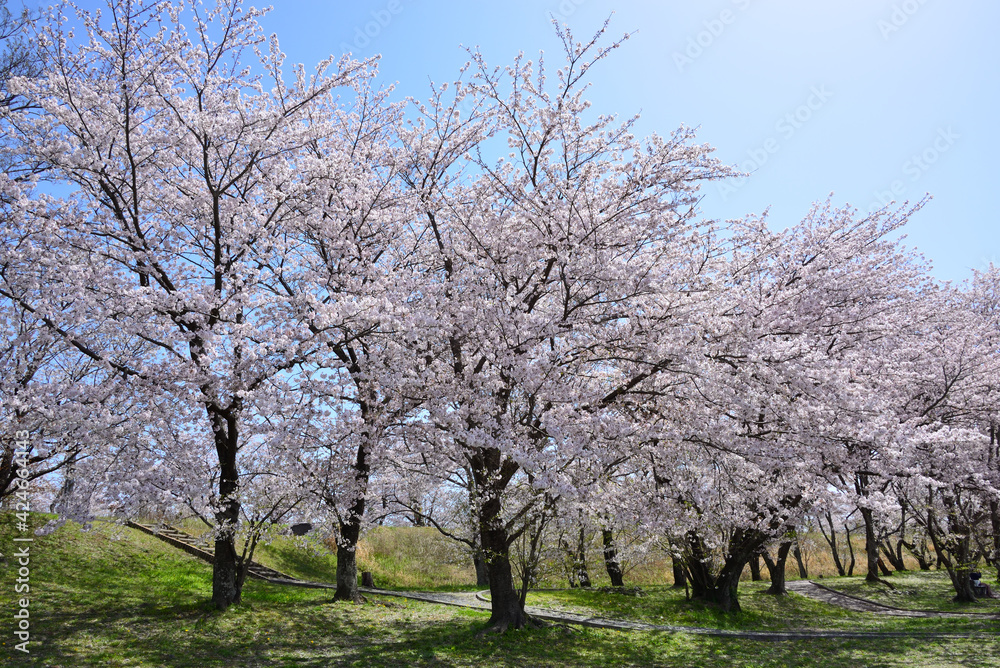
(114, 597)
(915, 590)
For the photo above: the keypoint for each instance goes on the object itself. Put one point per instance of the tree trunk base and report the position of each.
(522, 621)
(878, 580)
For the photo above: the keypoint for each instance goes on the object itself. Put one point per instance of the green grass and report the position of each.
(761, 612)
(915, 590)
(116, 597)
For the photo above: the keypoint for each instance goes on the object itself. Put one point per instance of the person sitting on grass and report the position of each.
(981, 590)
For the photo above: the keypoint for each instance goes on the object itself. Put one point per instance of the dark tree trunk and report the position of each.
(831, 540)
(755, 568)
(995, 505)
(350, 528)
(953, 548)
(505, 604)
(347, 564)
(917, 546)
(871, 546)
(418, 514)
(995, 524)
(580, 561)
(964, 591)
(797, 552)
(776, 569)
(227, 569)
(680, 577)
(919, 552)
(611, 559)
(850, 550)
(721, 589)
(569, 560)
(226, 589)
(893, 555)
(492, 473)
(482, 574)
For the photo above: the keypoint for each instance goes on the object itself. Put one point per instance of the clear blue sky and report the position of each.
(854, 97)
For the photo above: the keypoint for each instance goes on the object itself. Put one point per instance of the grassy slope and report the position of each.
(113, 597)
(401, 558)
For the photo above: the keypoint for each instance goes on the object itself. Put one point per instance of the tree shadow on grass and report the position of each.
(314, 632)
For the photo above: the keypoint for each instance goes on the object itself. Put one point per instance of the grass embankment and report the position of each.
(117, 597)
(399, 558)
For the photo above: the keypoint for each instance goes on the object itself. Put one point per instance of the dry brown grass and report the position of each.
(414, 558)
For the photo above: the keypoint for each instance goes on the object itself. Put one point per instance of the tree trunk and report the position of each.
(755, 568)
(831, 540)
(994, 505)
(227, 578)
(871, 546)
(893, 555)
(953, 547)
(418, 513)
(505, 605)
(482, 574)
(850, 550)
(964, 591)
(995, 525)
(680, 577)
(350, 529)
(721, 590)
(776, 569)
(580, 563)
(797, 552)
(611, 559)
(569, 559)
(347, 564)
(918, 549)
(492, 473)
(226, 590)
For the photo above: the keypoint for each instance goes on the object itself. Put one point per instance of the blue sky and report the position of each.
(869, 99)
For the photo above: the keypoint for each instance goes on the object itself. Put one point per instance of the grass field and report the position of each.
(914, 590)
(116, 597)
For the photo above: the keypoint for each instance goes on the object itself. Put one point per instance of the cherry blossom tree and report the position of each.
(945, 390)
(548, 264)
(772, 411)
(186, 167)
(360, 282)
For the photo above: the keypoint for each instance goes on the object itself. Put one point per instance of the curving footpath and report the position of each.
(478, 601)
(818, 592)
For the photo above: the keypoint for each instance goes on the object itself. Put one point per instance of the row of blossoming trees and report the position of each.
(251, 290)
